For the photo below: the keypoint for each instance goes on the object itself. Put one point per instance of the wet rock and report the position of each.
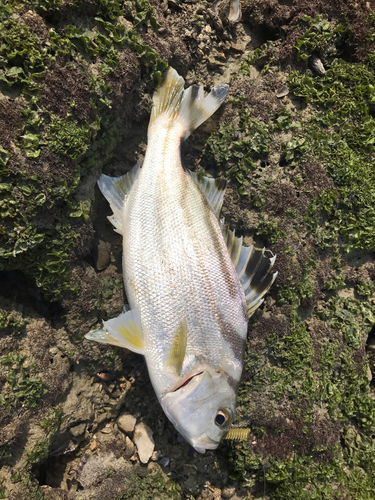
(144, 442)
(126, 422)
(101, 255)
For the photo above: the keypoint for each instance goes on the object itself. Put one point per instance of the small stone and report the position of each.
(282, 92)
(317, 65)
(102, 255)
(369, 374)
(174, 5)
(128, 25)
(126, 422)
(106, 376)
(371, 344)
(164, 462)
(129, 448)
(107, 429)
(77, 430)
(228, 492)
(144, 442)
(236, 47)
(93, 446)
(180, 439)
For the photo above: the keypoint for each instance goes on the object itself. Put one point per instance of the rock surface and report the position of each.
(76, 82)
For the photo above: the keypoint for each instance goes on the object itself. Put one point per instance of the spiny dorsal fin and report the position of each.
(213, 189)
(253, 268)
(123, 331)
(175, 357)
(188, 107)
(116, 191)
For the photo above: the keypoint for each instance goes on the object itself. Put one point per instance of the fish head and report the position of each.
(202, 407)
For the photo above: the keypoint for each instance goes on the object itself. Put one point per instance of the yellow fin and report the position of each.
(176, 355)
(124, 331)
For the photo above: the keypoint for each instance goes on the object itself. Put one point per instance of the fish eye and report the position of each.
(223, 417)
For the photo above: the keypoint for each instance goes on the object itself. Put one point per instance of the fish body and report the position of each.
(188, 308)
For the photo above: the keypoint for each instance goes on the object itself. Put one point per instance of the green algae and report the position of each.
(24, 388)
(42, 219)
(153, 485)
(305, 392)
(50, 424)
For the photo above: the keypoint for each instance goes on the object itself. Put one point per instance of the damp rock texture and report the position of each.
(295, 140)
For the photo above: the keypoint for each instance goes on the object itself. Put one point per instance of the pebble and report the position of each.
(129, 448)
(107, 429)
(144, 442)
(228, 492)
(106, 376)
(77, 430)
(282, 92)
(317, 65)
(236, 47)
(93, 446)
(164, 462)
(102, 255)
(126, 422)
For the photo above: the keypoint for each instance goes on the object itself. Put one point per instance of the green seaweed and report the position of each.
(50, 425)
(25, 389)
(152, 485)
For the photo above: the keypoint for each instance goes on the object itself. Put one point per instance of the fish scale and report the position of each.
(190, 283)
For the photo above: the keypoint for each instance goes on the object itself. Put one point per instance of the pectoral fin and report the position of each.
(123, 331)
(176, 355)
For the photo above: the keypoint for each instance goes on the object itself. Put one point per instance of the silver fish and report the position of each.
(190, 283)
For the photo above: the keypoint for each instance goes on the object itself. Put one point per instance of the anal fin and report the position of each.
(123, 331)
(253, 267)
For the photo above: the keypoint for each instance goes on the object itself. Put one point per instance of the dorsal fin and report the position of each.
(253, 268)
(213, 189)
(116, 190)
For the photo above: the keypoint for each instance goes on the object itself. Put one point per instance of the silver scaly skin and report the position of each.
(188, 306)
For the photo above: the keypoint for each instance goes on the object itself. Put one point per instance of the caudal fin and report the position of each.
(190, 107)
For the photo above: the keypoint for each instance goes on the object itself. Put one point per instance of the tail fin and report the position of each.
(190, 107)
